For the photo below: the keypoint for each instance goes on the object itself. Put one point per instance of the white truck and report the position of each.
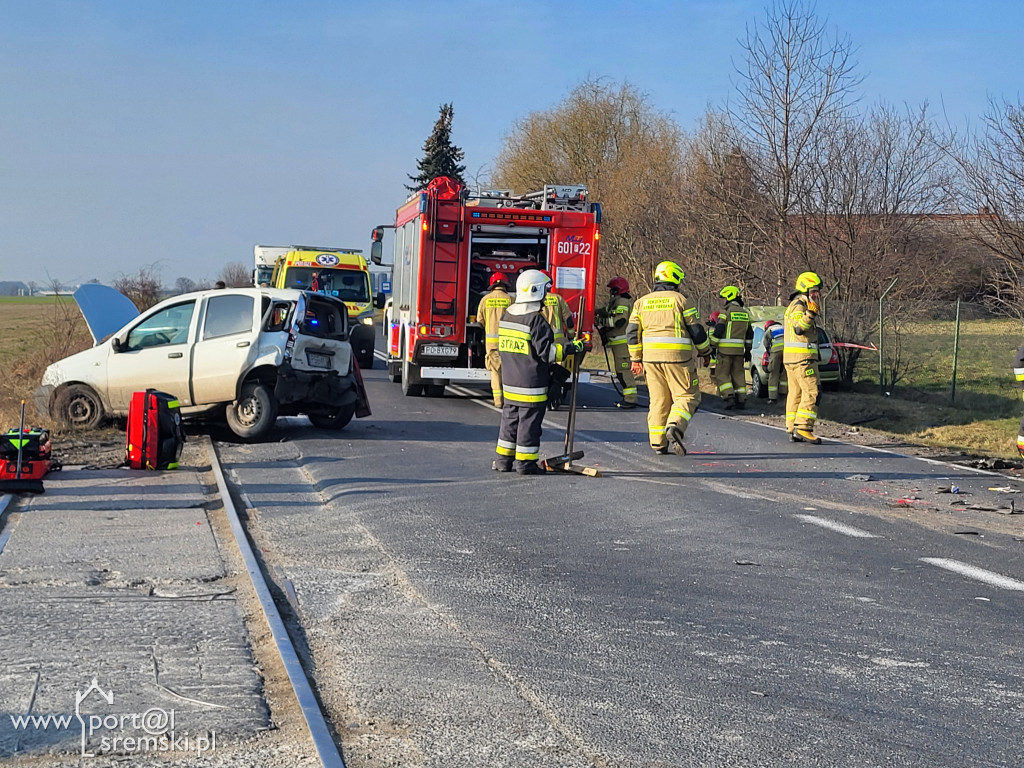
(264, 259)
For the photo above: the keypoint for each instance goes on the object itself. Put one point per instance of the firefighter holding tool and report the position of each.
(800, 358)
(559, 316)
(492, 307)
(664, 338)
(732, 337)
(615, 318)
(527, 347)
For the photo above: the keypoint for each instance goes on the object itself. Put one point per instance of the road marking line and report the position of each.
(973, 572)
(846, 530)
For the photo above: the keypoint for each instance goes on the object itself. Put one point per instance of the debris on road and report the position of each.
(747, 562)
(860, 478)
(1004, 489)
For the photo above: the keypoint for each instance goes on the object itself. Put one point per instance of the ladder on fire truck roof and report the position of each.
(553, 197)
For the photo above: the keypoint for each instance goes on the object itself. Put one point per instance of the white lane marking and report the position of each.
(973, 572)
(846, 530)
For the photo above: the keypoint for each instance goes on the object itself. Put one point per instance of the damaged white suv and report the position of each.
(251, 353)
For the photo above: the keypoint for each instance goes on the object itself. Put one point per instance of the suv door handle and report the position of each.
(242, 344)
(174, 354)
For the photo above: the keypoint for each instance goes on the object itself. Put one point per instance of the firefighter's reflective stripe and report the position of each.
(778, 338)
(530, 395)
(527, 453)
(514, 338)
(667, 342)
(615, 341)
(505, 448)
(731, 344)
(1018, 374)
(800, 346)
(627, 391)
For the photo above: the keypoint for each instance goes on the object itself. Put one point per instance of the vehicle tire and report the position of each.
(394, 372)
(253, 414)
(411, 384)
(366, 362)
(757, 385)
(435, 390)
(79, 407)
(337, 420)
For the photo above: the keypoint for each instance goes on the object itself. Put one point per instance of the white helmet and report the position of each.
(532, 285)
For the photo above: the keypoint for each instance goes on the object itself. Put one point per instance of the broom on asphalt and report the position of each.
(19, 484)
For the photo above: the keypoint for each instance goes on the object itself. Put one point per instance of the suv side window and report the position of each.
(169, 326)
(228, 315)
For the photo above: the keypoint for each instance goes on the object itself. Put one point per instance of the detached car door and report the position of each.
(155, 354)
(226, 342)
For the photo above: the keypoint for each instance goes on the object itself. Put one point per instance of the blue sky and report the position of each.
(179, 134)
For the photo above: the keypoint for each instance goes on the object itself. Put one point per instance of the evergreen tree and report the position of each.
(440, 156)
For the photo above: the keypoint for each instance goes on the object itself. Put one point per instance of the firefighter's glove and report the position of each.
(812, 306)
(576, 346)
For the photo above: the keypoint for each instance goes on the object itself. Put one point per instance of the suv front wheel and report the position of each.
(253, 414)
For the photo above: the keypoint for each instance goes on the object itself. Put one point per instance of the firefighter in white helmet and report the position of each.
(800, 357)
(664, 337)
(527, 348)
(492, 307)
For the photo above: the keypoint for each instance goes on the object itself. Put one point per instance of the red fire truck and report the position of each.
(447, 244)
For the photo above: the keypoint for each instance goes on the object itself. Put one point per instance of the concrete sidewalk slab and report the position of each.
(123, 634)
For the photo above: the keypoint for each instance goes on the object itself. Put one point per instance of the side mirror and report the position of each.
(117, 344)
(378, 300)
(376, 251)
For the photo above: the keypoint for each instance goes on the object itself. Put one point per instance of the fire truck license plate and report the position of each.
(317, 360)
(441, 350)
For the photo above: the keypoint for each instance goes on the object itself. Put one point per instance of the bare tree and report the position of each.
(991, 163)
(610, 138)
(795, 84)
(184, 285)
(236, 274)
(143, 288)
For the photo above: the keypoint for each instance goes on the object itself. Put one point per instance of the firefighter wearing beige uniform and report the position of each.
(732, 337)
(492, 307)
(800, 357)
(664, 337)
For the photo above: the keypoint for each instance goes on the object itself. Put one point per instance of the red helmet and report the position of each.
(499, 277)
(714, 317)
(769, 324)
(618, 285)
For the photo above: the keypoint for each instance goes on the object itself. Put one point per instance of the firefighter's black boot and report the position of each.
(501, 466)
(529, 468)
(675, 436)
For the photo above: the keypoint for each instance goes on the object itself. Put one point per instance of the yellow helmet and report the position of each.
(669, 272)
(808, 281)
(730, 293)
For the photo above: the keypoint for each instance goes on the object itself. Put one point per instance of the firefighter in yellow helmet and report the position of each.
(800, 358)
(559, 316)
(615, 317)
(732, 337)
(527, 348)
(664, 337)
(492, 307)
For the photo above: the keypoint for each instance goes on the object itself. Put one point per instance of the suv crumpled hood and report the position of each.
(105, 309)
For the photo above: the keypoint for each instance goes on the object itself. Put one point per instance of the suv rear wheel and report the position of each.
(336, 420)
(253, 414)
(757, 384)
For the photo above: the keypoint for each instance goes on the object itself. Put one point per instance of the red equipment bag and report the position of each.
(155, 436)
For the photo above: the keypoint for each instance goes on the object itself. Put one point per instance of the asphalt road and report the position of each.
(746, 605)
